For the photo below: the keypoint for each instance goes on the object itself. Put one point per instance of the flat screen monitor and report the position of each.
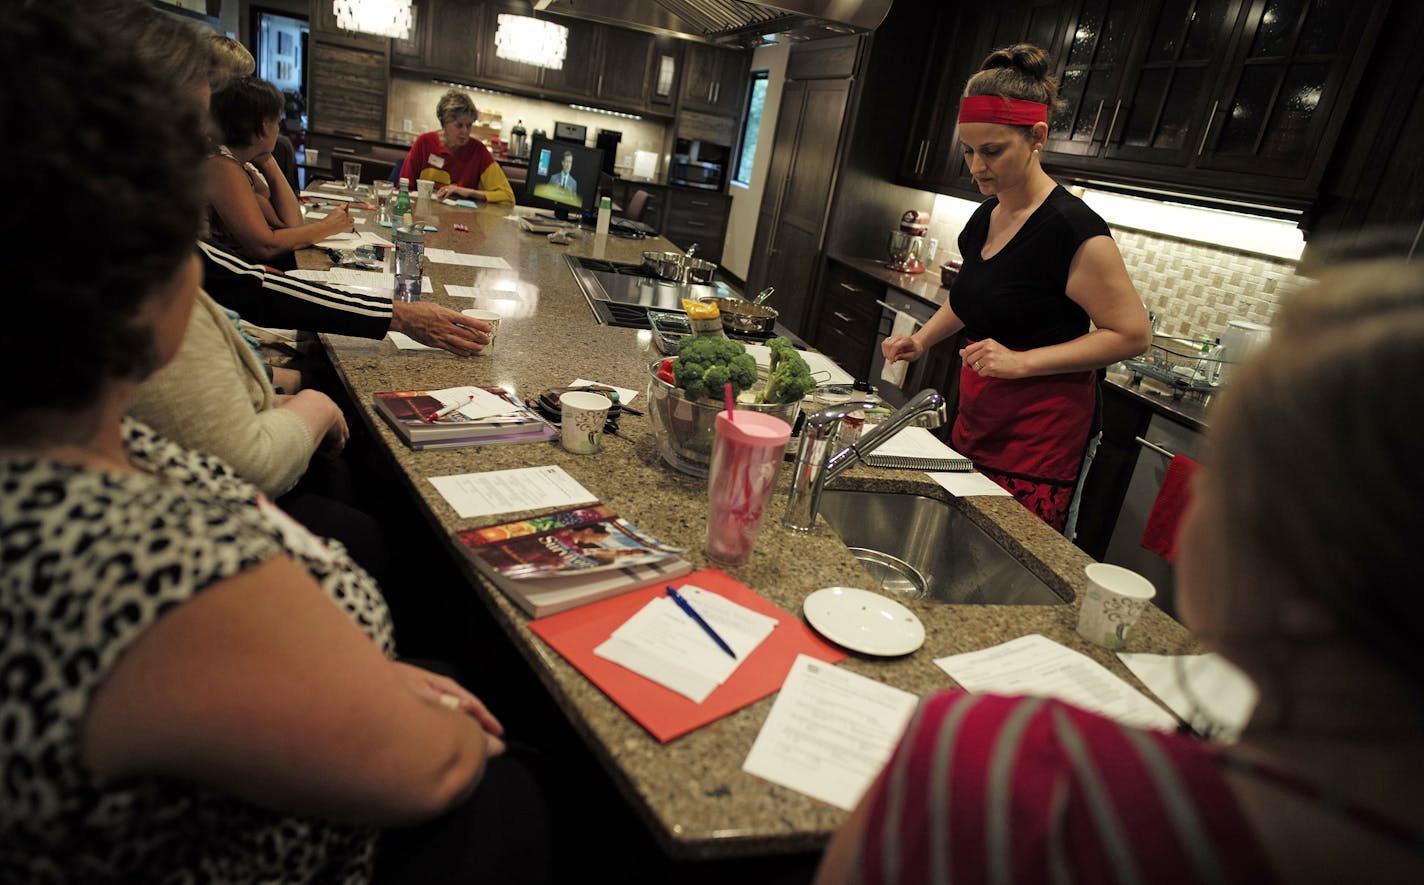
(563, 177)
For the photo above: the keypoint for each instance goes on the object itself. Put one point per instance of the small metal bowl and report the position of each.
(677, 267)
(695, 270)
(667, 265)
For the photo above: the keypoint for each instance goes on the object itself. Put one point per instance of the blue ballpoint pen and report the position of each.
(692, 613)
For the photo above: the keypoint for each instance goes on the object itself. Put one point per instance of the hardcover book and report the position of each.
(557, 561)
(425, 419)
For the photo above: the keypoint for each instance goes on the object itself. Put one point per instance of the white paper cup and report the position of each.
(488, 316)
(582, 416)
(1115, 598)
(313, 157)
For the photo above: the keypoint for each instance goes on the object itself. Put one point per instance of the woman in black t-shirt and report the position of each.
(1043, 296)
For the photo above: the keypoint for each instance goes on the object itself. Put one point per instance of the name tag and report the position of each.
(437, 161)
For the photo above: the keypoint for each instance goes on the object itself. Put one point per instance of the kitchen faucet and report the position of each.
(817, 464)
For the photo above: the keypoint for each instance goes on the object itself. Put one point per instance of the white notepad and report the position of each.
(915, 448)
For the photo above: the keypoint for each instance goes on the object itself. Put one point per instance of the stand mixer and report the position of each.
(906, 243)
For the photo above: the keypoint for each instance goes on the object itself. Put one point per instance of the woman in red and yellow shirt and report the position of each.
(459, 164)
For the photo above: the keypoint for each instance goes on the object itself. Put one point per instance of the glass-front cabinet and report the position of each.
(1163, 108)
(1231, 96)
(1093, 59)
(1286, 76)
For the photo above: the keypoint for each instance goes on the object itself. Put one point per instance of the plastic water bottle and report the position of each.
(402, 207)
(605, 213)
(410, 248)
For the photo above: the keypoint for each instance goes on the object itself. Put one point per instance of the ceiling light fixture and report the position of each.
(384, 18)
(531, 41)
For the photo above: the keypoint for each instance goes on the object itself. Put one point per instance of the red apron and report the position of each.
(1028, 434)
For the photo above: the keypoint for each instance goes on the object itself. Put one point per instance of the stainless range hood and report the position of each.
(731, 22)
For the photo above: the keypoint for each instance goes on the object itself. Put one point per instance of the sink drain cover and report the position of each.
(894, 575)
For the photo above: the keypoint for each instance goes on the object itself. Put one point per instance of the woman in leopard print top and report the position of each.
(192, 687)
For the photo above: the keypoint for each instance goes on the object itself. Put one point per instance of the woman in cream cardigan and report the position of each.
(215, 397)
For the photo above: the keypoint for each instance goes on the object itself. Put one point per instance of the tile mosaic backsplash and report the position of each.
(1194, 288)
(1197, 289)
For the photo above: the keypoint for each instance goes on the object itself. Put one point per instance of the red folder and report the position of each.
(662, 711)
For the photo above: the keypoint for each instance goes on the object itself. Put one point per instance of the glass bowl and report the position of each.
(684, 429)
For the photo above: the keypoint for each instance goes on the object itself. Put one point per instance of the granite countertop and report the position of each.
(691, 792)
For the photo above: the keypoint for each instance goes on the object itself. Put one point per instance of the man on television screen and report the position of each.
(565, 178)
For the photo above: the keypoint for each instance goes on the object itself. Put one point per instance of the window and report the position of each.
(751, 128)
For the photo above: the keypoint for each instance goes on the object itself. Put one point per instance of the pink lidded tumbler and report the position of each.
(746, 455)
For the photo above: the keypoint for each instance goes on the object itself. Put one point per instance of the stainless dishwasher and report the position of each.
(895, 303)
(1164, 438)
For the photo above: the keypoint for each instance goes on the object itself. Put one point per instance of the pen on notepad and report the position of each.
(692, 613)
(450, 408)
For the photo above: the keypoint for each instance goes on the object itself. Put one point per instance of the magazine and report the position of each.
(556, 561)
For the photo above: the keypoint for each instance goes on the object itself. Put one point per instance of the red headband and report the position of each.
(998, 109)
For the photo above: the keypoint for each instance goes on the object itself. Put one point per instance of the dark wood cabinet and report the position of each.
(1162, 109)
(1289, 76)
(323, 25)
(963, 38)
(626, 57)
(1092, 61)
(849, 318)
(714, 79)
(695, 216)
(412, 51)
(456, 31)
(1222, 98)
(516, 74)
(1373, 191)
(1124, 420)
(800, 181)
(348, 89)
(613, 67)
(578, 76)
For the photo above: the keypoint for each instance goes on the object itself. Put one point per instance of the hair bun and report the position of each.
(1025, 57)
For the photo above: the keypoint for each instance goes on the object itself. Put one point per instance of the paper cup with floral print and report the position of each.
(488, 316)
(582, 416)
(1115, 598)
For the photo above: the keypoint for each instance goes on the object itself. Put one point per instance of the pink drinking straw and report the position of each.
(727, 390)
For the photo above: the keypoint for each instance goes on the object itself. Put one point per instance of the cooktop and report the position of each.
(621, 294)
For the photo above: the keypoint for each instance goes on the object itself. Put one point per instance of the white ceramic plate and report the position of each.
(863, 621)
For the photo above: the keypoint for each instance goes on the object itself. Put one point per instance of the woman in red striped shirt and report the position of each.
(454, 159)
(1299, 562)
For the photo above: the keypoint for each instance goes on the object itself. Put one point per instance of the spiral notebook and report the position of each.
(915, 448)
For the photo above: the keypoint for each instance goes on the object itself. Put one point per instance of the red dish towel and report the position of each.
(1160, 535)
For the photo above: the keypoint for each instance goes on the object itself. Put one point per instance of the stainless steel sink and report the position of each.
(958, 562)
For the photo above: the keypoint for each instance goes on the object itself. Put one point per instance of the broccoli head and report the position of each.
(790, 378)
(705, 364)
